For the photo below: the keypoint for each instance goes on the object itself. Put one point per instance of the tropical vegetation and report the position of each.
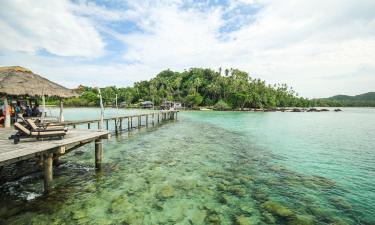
(222, 90)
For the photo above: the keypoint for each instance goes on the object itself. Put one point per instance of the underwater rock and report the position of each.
(198, 217)
(166, 192)
(260, 196)
(269, 219)
(277, 209)
(246, 209)
(120, 204)
(321, 181)
(80, 217)
(243, 220)
(213, 219)
(221, 187)
(341, 203)
(238, 190)
(301, 220)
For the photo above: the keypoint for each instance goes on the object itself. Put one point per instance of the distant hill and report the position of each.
(366, 99)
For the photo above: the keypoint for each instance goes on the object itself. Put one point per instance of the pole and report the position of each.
(7, 114)
(48, 172)
(98, 153)
(101, 110)
(61, 118)
(44, 106)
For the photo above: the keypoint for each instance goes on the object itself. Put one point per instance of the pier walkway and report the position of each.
(48, 151)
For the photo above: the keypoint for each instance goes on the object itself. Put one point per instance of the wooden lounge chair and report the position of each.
(35, 127)
(23, 132)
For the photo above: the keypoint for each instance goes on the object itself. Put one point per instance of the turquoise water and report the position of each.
(213, 168)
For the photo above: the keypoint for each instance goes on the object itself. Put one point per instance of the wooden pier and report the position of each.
(49, 151)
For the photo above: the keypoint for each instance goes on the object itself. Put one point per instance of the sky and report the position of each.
(320, 48)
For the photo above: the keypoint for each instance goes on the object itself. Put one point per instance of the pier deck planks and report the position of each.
(27, 148)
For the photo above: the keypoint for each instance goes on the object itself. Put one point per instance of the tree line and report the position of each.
(223, 90)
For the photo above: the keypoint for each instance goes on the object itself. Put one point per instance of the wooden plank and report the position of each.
(30, 147)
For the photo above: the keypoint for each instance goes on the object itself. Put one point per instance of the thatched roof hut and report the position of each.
(19, 81)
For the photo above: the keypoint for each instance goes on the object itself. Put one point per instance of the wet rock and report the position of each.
(221, 187)
(277, 209)
(166, 192)
(260, 196)
(237, 190)
(320, 181)
(341, 203)
(198, 217)
(301, 220)
(247, 209)
(269, 219)
(243, 220)
(120, 204)
(213, 219)
(337, 110)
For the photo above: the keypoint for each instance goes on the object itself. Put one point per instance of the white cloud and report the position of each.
(31, 26)
(289, 41)
(319, 47)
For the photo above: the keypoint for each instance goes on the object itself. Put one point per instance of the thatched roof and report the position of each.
(16, 80)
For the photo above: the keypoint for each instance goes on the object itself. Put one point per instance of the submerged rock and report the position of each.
(341, 203)
(166, 192)
(243, 220)
(277, 209)
(198, 217)
(213, 219)
(301, 220)
(269, 219)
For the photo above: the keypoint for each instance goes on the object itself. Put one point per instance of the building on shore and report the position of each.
(147, 105)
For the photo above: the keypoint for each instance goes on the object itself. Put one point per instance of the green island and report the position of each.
(228, 89)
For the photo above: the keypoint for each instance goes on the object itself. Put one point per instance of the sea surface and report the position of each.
(212, 168)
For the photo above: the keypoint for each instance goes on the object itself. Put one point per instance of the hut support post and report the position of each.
(48, 172)
(7, 114)
(61, 118)
(44, 106)
(98, 153)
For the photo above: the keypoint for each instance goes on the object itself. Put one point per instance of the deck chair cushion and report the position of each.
(47, 133)
(22, 128)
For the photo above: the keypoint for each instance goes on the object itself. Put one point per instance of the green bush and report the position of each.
(221, 105)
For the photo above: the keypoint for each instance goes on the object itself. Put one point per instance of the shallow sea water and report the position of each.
(212, 168)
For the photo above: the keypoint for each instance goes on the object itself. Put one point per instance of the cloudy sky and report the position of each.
(319, 47)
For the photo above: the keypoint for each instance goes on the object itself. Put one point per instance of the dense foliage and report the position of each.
(222, 90)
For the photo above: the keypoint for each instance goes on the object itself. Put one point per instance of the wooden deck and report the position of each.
(49, 151)
(27, 148)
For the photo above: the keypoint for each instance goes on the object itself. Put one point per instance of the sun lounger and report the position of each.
(35, 127)
(23, 132)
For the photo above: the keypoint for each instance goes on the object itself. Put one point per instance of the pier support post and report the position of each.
(106, 124)
(139, 121)
(131, 122)
(88, 126)
(153, 118)
(158, 117)
(128, 123)
(146, 120)
(98, 153)
(7, 112)
(48, 172)
(120, 124)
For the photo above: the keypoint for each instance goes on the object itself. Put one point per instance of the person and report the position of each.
(2, 116)
(28, 111)
(36, 111)
(17, 110)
